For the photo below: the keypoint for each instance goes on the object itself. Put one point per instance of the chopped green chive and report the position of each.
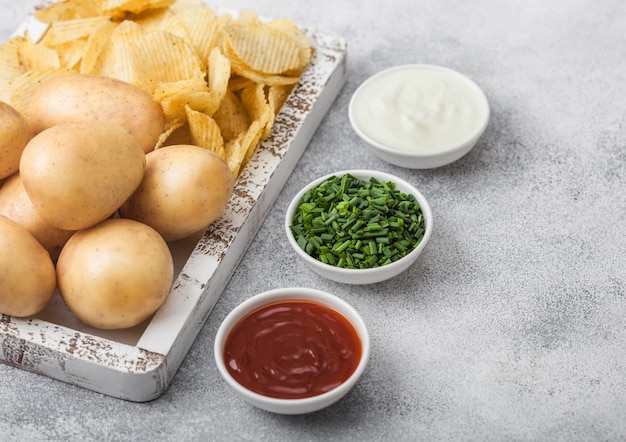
(353, 223)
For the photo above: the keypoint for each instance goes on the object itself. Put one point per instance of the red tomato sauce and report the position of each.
(292, 349)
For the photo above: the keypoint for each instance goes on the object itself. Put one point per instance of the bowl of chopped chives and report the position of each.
(359, 226)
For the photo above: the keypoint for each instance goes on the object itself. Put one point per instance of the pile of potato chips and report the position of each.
(221, 79)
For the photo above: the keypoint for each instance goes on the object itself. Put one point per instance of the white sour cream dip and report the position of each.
(419, 108)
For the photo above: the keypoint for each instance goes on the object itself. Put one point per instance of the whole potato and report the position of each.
(115, 274)
(27, 275)
(78, 174)
(185, 188)
(16, 205)
(82, 97)
(15, 132)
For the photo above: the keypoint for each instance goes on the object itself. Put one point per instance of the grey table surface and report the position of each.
(512, 325)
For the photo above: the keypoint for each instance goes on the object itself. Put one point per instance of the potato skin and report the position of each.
(17, 206)
(185, 188)
(27, 274)
(83, 97)
(78, 174)
(115, 274)
(15, 132)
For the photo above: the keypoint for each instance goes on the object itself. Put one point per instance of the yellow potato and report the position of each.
(115, 274)
(14, 134)
(17, 206)
(185, 188)
(82, 97)
(27, 275)
(78, 174)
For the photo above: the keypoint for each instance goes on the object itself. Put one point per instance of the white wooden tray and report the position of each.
(138, 364)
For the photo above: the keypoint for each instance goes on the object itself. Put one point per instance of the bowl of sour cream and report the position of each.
(419, 116)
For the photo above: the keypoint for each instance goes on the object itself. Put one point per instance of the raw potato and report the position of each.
(115, 274)
(17, 206)
(14, 134)
(27, 276)
(185, 188)
(78, 174)
(82, 97)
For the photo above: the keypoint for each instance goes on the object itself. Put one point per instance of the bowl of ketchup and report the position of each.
(292, 350)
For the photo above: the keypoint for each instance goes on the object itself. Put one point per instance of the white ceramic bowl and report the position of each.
(371, 123)
(362, 276)
(301, 405)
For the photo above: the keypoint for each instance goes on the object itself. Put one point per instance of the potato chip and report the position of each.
(238, 83)
(116, 60)
(239, 150)
(164, 22)
(174, 97)
(253, 99)
(205, 132)
(95, 46)
(38, 57)
(251, 139)
(183, 87)
(70, 30)
(160, 57)
(153, 20)
(245, 71)
(292, 31)
(234, 152)
(231, 117)
(262, 48)
(271, 80)
(218, 77)
(277, 95)
(170, 130)
(122, 8)
(182, 5)
(11, 66)
(180, 135)
(67, 10)
(71, 53)
(248, 17)
(203, 27)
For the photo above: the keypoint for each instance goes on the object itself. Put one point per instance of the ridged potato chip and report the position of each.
(262, 48)
(161, 57)
(67, 10)
(255, 102)
(12, 65)
(116, 59)
(120, 9)
(95, 46)
(205, 132)
(231, 117)
(219, 75)
(175, 96)
(164, 22)
(239, 150)
(61, 32)
(203, 26)
(38, 57)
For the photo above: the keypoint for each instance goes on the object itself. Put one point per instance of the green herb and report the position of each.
(353, 223)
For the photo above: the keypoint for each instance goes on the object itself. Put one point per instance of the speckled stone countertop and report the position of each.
(512, 324)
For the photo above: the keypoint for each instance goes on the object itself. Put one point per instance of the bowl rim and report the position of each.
(359, 173)
(469, 142)
(288, 294)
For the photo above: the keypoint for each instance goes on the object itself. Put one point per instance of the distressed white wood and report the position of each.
(138, 364)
